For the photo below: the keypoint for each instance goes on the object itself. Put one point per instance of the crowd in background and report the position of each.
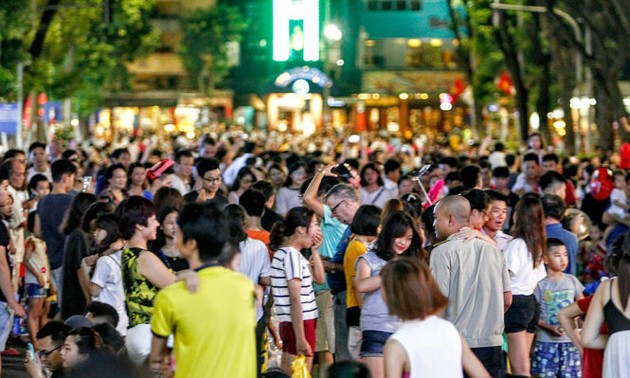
(366, 255)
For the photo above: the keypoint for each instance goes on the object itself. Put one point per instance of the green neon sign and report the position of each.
(296, 30)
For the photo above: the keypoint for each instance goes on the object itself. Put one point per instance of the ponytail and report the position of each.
(296, 217)
(276, 235)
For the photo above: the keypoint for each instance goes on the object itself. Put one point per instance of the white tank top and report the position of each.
(433, 346)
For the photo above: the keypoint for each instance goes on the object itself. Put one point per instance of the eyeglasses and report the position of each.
(334, 208)
(43, 353)
(212, 179)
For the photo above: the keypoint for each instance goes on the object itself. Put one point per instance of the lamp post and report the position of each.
(496, 5)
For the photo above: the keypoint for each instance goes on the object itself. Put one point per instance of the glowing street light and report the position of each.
(332, 33)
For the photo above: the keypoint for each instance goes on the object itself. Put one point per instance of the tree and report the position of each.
(496, 42)
(204, 47)
(72, 53)
(609, 25)
(15, 18)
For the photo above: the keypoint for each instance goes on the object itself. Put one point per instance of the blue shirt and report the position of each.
(337, 280)
(569, 239)
(333, 230)
(52, 209)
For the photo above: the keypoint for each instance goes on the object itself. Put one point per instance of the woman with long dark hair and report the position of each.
(524, 260)
(78, 247)
(398, 237)
(364, 228)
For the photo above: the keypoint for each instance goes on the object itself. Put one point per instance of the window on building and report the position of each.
(394, 5)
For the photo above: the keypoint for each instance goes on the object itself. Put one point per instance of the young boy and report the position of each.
(618, 209)
(554, 354)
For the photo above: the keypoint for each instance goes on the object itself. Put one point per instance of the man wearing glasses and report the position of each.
(50, 339)
(210, 177)
(343, 202)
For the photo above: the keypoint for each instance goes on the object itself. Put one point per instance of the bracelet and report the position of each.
(321, 170)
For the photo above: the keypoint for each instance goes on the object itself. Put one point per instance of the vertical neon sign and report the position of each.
(296, 30)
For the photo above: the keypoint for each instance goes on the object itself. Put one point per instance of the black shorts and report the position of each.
(353, 316)
(522, 314)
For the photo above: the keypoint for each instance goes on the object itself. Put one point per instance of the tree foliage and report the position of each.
(71, 52)
(608, 24)
(15, 18)
(204, 47)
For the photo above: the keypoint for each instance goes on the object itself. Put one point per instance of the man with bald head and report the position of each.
(474, 277)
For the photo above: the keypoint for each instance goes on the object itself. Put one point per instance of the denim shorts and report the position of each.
(373, 343)
(35, 291)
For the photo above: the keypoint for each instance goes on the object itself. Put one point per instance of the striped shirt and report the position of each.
(288, 263)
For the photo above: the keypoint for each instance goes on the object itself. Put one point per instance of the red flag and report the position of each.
(457, 89)
(505, 83)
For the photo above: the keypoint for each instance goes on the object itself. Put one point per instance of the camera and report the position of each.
(342, 170)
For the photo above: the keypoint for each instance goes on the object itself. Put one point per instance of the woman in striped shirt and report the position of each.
(292, 277)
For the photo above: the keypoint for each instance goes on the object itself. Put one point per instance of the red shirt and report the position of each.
(263, 236)
(593, 359)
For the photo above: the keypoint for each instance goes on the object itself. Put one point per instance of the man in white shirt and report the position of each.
(392, 174)
(38, 156)
(496, 217)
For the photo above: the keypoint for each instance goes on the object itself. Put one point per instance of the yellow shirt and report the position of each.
(214, 328)
(354, 250)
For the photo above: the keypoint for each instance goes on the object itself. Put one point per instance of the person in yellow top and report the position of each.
(214, 328)
(364, 227)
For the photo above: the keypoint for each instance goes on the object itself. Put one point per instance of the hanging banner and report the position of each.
(9, 118)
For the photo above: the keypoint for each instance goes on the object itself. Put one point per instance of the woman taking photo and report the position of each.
(292, 278)
(398, 237)
(524, 260)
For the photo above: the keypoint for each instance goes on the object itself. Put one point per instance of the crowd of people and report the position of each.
(369, 259)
